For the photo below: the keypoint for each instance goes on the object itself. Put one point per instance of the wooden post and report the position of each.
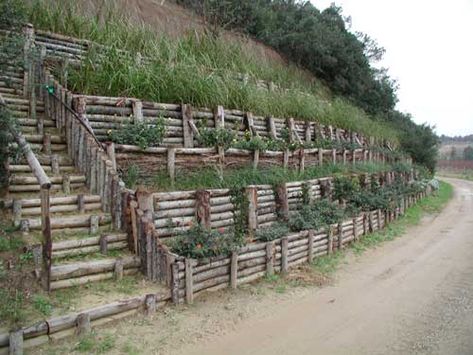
(137, 108)
(340, 236)
(282, 202)
(252, 196)
(47, 143)
(330, 239)
(284, 255)
(320, 152)
(234, 270)
(345, 156)
(250, 124)
(202, 208)
(187, 131)
(16, 209)
(175, 283)
(189, 282)
(301, 160)
(80, 203)
(47, 239)
(310, 254)
(28, 32)
(111, 155)
(355, 229)
(271, 128)
(334, 156)
(150, 304)
(25, 226)
(118, 270)
(370, 222)
(308, 132)
(219, 117)
(94, 224)
(103, 241)
(83, 324)
(171, 163)
(379, 218)
(16, 342)
(55, 164)
(270, 258)
(66, 184)
(38, 260)
(285, 163)
(255, 159)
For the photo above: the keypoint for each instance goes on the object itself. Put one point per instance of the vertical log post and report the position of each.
(16, 209)
(187, 131)
(202, 208)
(171, 163)
(270, 258)
(47, 237)
(234, 270)
(189, 281)
(285, 162)
(66, 184)
(137, 109)
(379, 219)
(252, 196)
(334, 156)
(310, 254)
(47, 143)
(150, 304)
(118, 270)
(55, 164)
(308, 132)
(355, 230)
(16, 342)
(81, 203)
(83, 326)
(284, 255)
(330, 240)
(320, 153)
(271, 128)
(301, 160)
(175, 283)
(94, 224)
(111, 155)
(282, 202)
(219, 117)
(103, 242)
(340, 236)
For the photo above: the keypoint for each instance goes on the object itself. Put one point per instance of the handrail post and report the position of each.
(47, 240)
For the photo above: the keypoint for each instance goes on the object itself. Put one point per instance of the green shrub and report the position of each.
(198, 242)
(275, 231)
(143, 135)
(318, 215)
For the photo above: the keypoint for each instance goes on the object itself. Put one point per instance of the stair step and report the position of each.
(29, 122)
(76, 221)
(54, 201)
(54, 147)
(36, 188)
(70, 248)
(80, 273)
(47, 169)
(38, 138)
(31, 180)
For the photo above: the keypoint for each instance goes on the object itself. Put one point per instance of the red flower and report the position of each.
(221, 230)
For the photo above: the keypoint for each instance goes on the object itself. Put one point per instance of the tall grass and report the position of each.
(239, 178)
(197, 68)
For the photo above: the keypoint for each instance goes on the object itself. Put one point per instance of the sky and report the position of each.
(429, 51)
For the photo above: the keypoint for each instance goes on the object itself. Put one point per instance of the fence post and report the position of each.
(271, 128)
(47, 240)
(301, 160)
(188, 134)
(137, 108)
(334, 156)
(282, 202)
(320, 152)
(28, 32)
(202, 208)
(284, 255)
(340, 235)
(175, 282)
(189, 281)
(310, 254)
(234, 270)
(171, 163)
(355, 229)
(308, 132)
(252, 196)
(330, 240)
(16, 342)
(270, 258)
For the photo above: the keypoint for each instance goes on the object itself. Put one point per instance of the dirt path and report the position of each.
(414, 295)
(411, 295)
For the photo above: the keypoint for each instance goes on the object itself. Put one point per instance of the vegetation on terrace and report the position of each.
(199, 69)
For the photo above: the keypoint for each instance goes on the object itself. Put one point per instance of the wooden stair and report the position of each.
(85, 248)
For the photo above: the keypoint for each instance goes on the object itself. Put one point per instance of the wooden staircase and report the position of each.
(84, 246)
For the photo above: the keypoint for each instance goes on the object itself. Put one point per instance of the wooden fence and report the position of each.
(190, 277)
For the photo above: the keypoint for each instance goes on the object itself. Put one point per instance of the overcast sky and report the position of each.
(429, 51)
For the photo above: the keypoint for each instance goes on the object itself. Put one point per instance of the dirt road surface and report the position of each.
(413, 295)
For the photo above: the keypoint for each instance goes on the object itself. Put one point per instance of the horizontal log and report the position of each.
(88, 250)
(77, 281)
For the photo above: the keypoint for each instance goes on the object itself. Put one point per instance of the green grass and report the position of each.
(94, 344)
(234, 178)
(198, 69)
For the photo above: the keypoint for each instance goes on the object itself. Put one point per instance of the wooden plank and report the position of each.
(284, 255)
(189, 281)
(234, 270)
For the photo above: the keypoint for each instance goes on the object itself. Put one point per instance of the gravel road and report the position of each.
(411, 296)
